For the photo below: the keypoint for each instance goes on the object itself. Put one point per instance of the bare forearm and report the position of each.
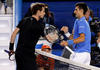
(71, 37)
(79, 39)
(13, 36)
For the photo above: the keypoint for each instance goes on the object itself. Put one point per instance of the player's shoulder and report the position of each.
(82, 21)
(27, 18)
(30, 19)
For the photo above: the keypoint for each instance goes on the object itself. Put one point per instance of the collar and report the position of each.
(32, 18)
(82, 18)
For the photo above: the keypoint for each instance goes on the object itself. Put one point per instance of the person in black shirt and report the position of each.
(29, 32)
(48, 17)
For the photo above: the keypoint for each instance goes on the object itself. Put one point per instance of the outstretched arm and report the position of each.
(13, 36)
(81, 38)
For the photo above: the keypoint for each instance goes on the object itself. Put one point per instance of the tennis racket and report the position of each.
(11, 56)
(53, 35)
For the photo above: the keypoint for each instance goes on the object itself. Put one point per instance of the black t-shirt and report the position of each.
(30, 31)
(47, 19)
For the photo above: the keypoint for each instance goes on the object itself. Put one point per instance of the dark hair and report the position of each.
(46, 5)
(37, 7)
(83, 6)
(91, 13)
(3, 1)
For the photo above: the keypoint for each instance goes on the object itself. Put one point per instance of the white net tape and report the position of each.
(67, 61)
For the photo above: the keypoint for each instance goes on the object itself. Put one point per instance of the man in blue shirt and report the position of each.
(81, 37)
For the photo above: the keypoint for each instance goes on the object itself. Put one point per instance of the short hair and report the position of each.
(46, 5)
(37, 7)
(83, 6)
(32, 4)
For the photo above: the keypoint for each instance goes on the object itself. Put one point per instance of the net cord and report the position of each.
(66, 60)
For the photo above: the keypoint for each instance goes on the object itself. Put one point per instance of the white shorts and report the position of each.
(83, 57)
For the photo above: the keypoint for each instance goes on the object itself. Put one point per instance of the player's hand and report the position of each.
(98, 40)
(11, 52)
(65, 29)
(64, 43)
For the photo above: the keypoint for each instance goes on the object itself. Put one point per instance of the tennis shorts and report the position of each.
(83, 57)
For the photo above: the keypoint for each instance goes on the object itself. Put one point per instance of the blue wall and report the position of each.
(18, 11)
(18, 14)
(63, 15)
(63, 11)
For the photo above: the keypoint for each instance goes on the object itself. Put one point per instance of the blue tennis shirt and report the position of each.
(82, 26)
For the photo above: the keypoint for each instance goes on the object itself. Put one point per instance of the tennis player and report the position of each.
(29, 32)
(81, 37)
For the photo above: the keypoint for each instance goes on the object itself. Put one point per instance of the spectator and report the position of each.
(5, 9)
(98, 39)
(44, 62)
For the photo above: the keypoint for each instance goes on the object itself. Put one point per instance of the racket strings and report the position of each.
(51, 33)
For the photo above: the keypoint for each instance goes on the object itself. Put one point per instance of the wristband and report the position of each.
(61, 32)
(11, 46)
(70, 42)
(67, 34)
(99, 45)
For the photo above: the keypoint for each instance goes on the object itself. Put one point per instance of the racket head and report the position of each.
(11, 56)
(51, 33)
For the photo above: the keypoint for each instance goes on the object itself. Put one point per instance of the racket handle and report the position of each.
(6, 51)
(69, 49)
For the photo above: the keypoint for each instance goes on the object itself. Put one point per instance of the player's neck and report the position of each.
(36, 17)
(81, 16)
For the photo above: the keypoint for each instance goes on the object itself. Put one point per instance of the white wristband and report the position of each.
(67, 34)
(99, 45)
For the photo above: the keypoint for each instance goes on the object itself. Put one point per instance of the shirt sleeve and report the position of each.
(20, 24)
(81, 27)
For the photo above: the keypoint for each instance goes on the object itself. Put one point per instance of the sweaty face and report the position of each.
(77, 12)
(42, 12)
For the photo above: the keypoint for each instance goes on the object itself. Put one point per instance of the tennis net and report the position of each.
(66, 64)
